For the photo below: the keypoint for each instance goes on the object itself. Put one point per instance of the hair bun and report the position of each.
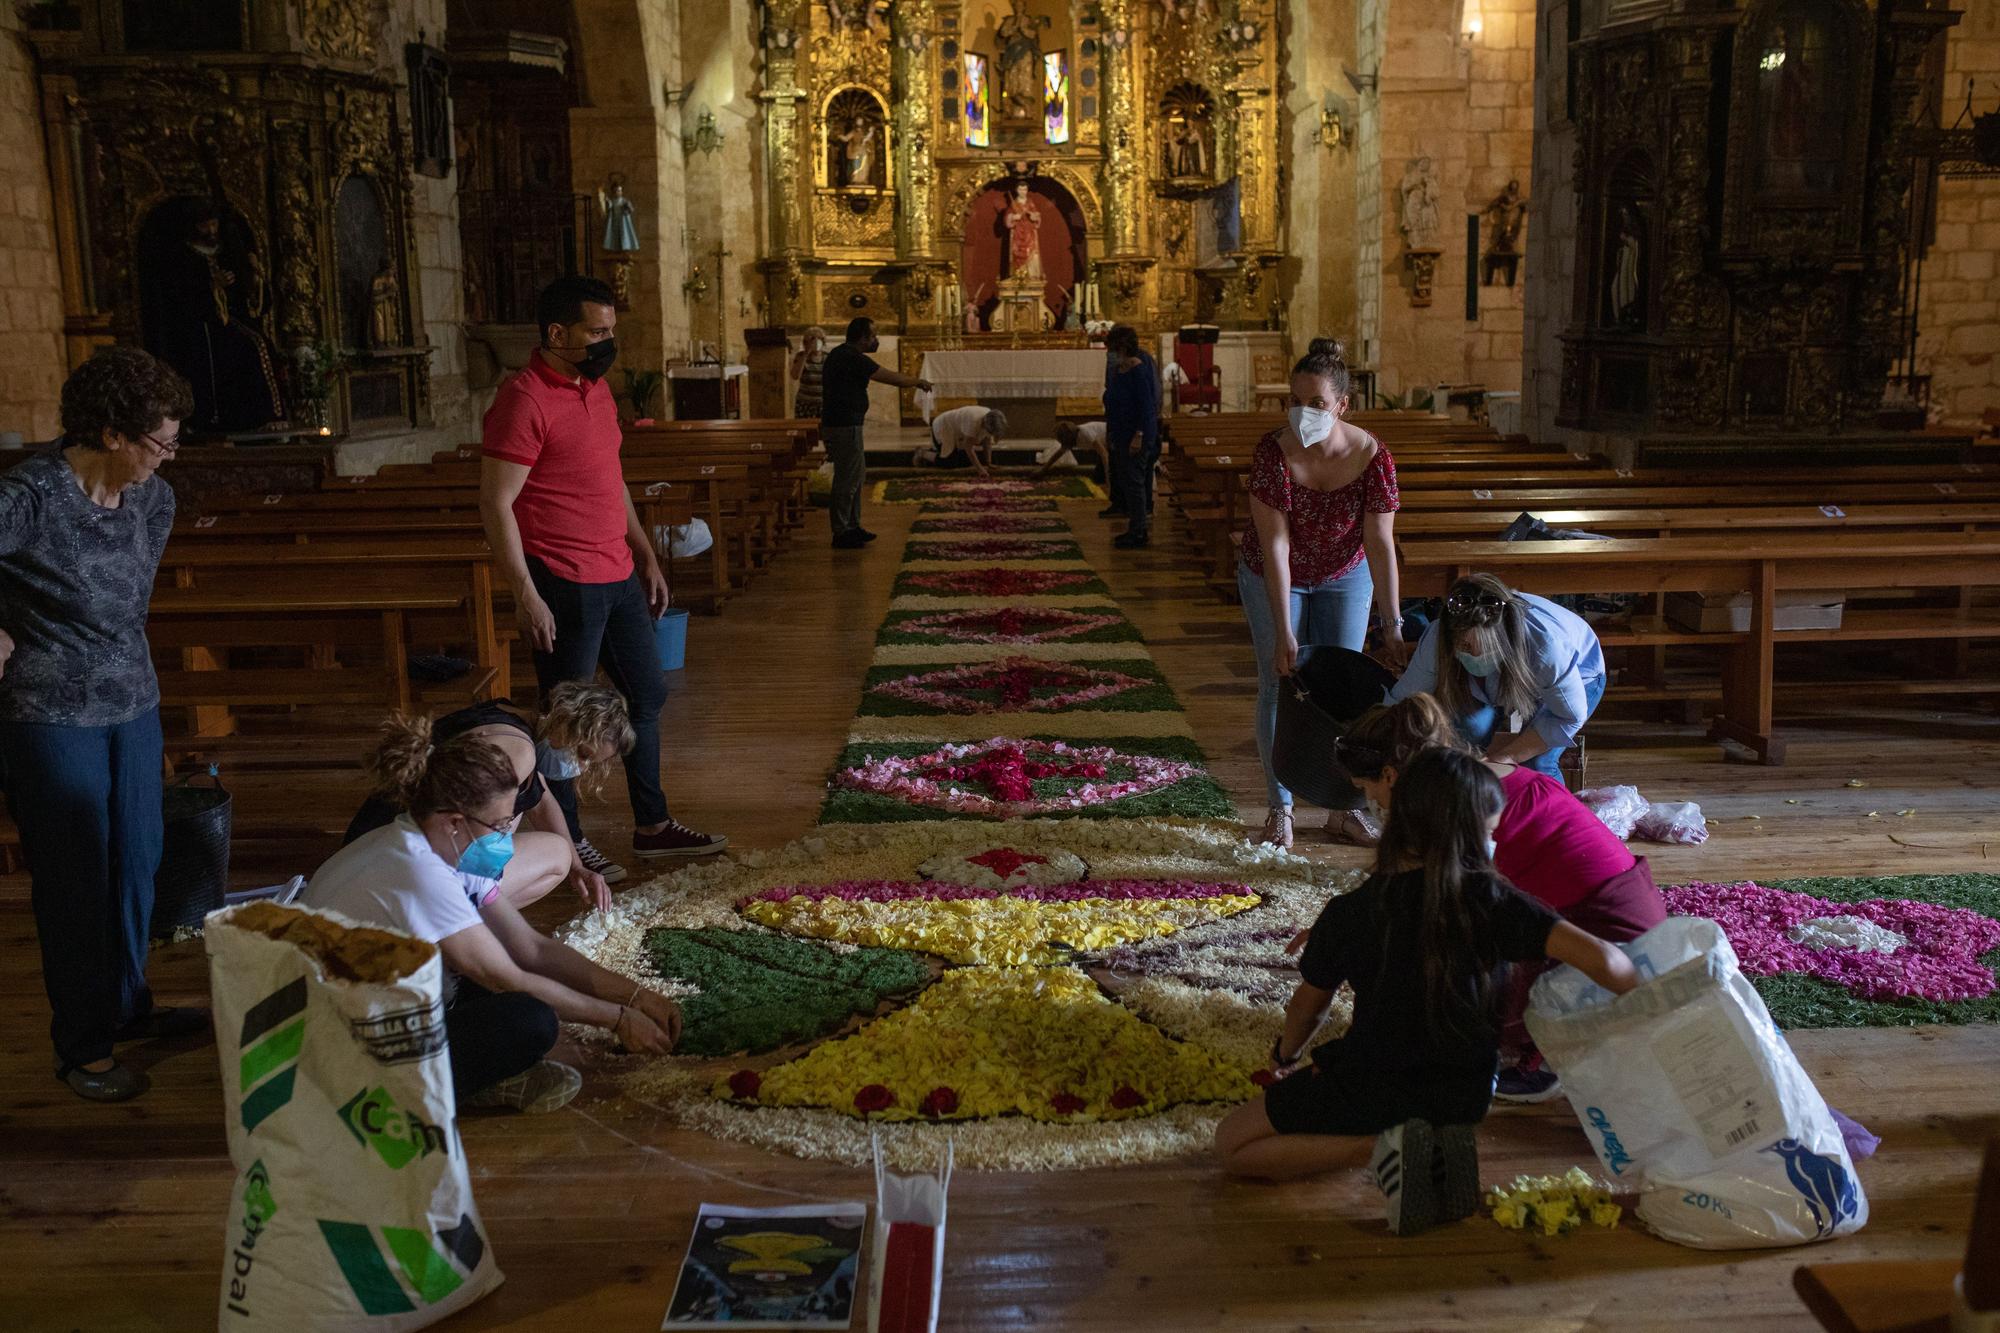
(1327, 347)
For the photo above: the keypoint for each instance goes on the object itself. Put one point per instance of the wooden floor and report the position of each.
(113, 1215)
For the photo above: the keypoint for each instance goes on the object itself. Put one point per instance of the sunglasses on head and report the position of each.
(1358, 758)
(1468, 600)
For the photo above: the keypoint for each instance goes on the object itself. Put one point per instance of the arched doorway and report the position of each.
(983, 257)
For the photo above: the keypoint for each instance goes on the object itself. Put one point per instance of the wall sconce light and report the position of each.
(1335, 116)
(1474, 24)
(707, 136)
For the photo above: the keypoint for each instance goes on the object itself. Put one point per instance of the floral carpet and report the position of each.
(1022, 924)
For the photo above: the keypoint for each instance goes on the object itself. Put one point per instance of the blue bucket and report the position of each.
(670, 636)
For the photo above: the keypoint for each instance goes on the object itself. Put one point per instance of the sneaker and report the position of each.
(598, 863)
(1525, 1087)
(1455, 1173)
(1277, 828)
(1403, 1166)
(549, 1086)
(850, 541)
(676, 839)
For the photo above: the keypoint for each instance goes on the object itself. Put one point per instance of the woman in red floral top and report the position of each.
(1323, 499)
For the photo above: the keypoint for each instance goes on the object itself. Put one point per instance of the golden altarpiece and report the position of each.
(237, 179)
(939, 165)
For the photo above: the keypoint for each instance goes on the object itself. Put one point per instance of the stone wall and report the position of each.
(1551, 240)
(1320, 209)
(32, 364)
(1958, 336)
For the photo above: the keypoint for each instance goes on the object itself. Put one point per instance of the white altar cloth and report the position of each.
(1017, 372)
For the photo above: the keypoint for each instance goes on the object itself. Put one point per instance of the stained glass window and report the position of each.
(978, 131)
(1055, 96)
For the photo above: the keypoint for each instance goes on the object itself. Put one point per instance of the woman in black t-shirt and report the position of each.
(1424, 943)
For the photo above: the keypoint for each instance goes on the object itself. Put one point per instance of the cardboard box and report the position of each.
(1712, 613)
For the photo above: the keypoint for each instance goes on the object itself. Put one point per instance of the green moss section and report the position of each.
(1156, 696)
(1198, 797)
(1122, 632)
(760, 992)
(1799, 1001)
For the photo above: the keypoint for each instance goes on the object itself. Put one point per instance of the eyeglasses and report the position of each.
(1468, 600)
(506, 825)
(166, 448)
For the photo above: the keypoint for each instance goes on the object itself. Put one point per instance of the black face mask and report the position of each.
(596, 358)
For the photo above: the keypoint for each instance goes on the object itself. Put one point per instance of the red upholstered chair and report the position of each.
(1201, 384)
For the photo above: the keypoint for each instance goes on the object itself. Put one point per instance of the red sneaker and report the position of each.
(676, 839)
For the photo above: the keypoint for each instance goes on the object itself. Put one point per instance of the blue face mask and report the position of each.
(488, 854)
(1478, 664)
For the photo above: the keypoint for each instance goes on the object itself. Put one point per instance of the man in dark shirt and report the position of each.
(1132, 430)
(845, 378)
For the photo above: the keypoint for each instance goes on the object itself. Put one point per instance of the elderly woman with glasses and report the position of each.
(452, 871)
(1499, 652)
(82, 526)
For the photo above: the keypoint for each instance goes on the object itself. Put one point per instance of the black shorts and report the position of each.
(1334, 1099)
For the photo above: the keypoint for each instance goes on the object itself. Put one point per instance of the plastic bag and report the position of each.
(1691, 1096)
(352, 1209)
(1619, 808)
(1672, 821)
(679, 541)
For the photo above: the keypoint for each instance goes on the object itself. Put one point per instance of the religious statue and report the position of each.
(621, 228)
(1024, 235)
(1187, 150)
(1797, 113)
(384, 316)
(1020, 37)
(858, 159)
(1420, 204)
(1187, 11)
(1507, 211)
(1627, 297)
(197, 321)
(857, 15)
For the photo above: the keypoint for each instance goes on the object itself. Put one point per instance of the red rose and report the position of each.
(940, 1102)
(1066, 1103)
(743, 1084)
(1126, 1098)
(873, 1098)
(1263, 1078)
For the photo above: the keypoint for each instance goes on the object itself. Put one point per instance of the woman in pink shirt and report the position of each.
(1548, 844)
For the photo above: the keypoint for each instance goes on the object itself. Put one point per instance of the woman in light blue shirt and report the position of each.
(1497, 651)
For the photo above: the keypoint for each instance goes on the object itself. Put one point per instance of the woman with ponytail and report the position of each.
(1424, 942)
(1323, 502)
(1549, 845)
(451, 870)
(1496, 651)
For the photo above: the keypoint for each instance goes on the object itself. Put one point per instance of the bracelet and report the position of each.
(619, 1022)
(637, 986)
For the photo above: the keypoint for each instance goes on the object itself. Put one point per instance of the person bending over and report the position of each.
(962, 437)
(1424, 943)
(1496, 651)
(583, 728)
(437, 872)
(1550, 845)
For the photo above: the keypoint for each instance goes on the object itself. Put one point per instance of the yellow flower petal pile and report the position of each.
(994, 930)
(1554, 1204)
(1007, 1040)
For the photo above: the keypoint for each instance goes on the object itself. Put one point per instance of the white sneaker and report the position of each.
(549, 1086)
(597, 861)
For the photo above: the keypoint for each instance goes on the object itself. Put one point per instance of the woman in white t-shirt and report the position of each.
(962, 437)
(435, 872)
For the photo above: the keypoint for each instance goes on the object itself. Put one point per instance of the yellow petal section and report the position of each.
(998, 930)
(1007, 1040)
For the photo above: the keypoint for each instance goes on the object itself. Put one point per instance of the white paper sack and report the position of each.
(351, 1209)
(1691, 1096)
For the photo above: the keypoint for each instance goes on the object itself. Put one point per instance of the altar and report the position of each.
(1026, 383)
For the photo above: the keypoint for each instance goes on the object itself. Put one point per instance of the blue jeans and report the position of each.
(1478, 726)
(608, 625)
(87, 802)
(844, 449)
(1333, 614)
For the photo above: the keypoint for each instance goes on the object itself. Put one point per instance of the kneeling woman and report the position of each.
(584, 726)
(436, 872)
(1423, 943)
(1496, 651)
(1548, 844)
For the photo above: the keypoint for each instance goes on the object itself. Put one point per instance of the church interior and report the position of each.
(1413, 743)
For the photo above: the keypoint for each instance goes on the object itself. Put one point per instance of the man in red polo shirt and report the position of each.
(587, 585)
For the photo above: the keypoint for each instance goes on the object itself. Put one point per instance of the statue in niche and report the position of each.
(858, 159)
(1507, 211)
(1188, 149)
(621, 227)
(1797, 106)
(198, 319)
(385, 316)
(1625, 294)
(1420, 204)
(1024, 235)
(856, 15)
(1020, 38)
(1186, 11)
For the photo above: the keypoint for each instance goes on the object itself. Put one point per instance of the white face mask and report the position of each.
(1311, 424)
(562, 764)
(1492, 849)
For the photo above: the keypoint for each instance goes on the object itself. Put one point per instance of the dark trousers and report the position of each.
(1619, 910)
(495, 1035)
(1133, 463)
(608, 625)
(87, 802)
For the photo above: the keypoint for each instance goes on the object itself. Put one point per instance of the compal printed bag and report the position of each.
(1692, 1097)
(352, 1209)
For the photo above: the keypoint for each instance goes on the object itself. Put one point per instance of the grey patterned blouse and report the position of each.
(75, 579)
